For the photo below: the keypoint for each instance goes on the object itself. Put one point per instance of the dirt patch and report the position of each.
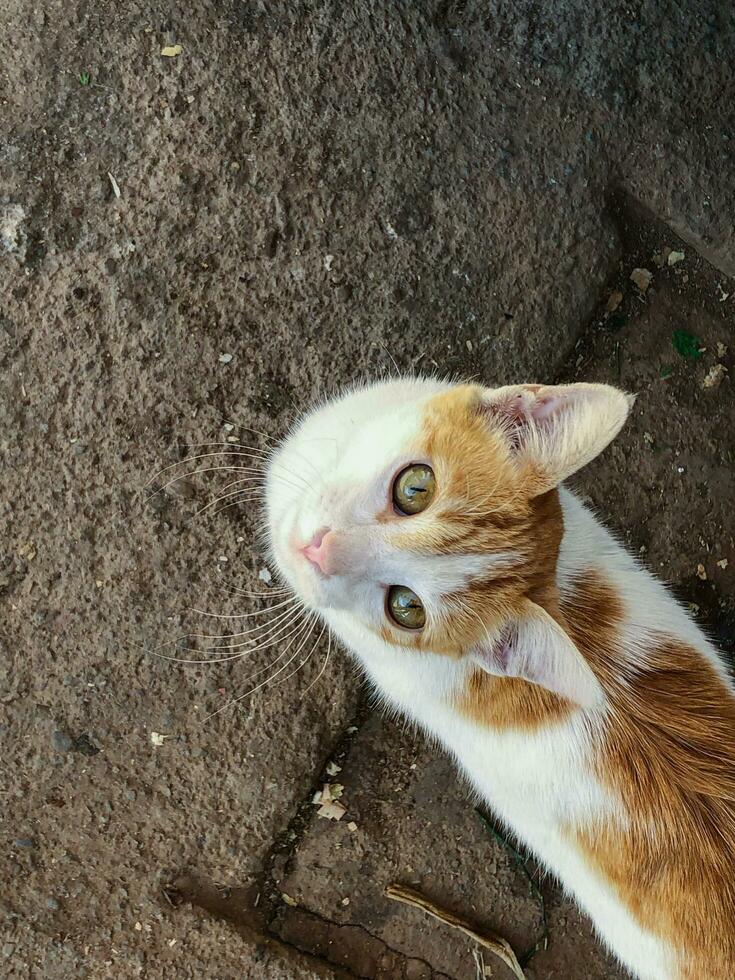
(665, 482)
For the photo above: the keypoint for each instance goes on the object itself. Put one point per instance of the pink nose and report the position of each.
(317, 550)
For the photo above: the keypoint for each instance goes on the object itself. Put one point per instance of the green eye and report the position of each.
(414, 489)
(405, 607)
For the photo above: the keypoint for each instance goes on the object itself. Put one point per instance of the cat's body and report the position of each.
(600, 725)
(537, 785)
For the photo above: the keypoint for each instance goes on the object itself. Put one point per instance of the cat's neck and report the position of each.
(648, 610)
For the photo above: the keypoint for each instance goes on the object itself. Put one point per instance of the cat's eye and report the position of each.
(414, 489)
(405, 607)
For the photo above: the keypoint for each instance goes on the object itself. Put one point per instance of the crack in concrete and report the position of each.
(284, 847)
(234, 905)
(404, 959)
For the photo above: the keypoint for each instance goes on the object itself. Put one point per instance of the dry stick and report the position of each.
(496, 944)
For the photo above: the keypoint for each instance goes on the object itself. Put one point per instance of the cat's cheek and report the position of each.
(347, 596)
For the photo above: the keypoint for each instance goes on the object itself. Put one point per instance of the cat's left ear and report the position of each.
(535, 648)
(557, 429)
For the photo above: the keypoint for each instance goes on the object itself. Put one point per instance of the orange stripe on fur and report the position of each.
(508, 702)
(669, 752)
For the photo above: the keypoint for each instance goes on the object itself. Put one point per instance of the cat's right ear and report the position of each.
(554, 430)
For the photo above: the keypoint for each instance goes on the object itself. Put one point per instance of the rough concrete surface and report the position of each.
(306, 194)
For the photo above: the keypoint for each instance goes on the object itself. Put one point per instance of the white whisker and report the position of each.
(247, 428)
(247, 594)
(243, 494)
(233, 445)
(280, 670)
(254, 481)
(265, 456)
(305, 661)
(258, 612)
(273, 622)
(254, 474)
(237, 656)
(193, 459)
(324, 665)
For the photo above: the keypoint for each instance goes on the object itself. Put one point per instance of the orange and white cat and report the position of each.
(488, 604)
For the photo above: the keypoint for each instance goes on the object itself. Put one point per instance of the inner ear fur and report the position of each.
(555, 430)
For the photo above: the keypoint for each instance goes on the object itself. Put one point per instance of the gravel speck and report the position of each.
(85, 745)
(12, 233)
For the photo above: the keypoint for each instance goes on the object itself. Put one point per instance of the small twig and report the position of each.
(495, 944)
(479, 964)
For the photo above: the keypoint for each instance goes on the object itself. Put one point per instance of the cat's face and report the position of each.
(424, 513)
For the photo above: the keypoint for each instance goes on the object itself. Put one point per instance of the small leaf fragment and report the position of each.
(642, 278)
(715, 376)
(331, 811)
(329, 793)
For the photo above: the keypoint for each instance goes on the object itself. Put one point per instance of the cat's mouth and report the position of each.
(329, 568)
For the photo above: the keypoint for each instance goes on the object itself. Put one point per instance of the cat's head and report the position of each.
(425, 515)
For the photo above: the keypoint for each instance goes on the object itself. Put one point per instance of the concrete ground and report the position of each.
(197, 244)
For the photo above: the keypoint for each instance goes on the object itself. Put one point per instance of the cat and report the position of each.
(426, 524)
